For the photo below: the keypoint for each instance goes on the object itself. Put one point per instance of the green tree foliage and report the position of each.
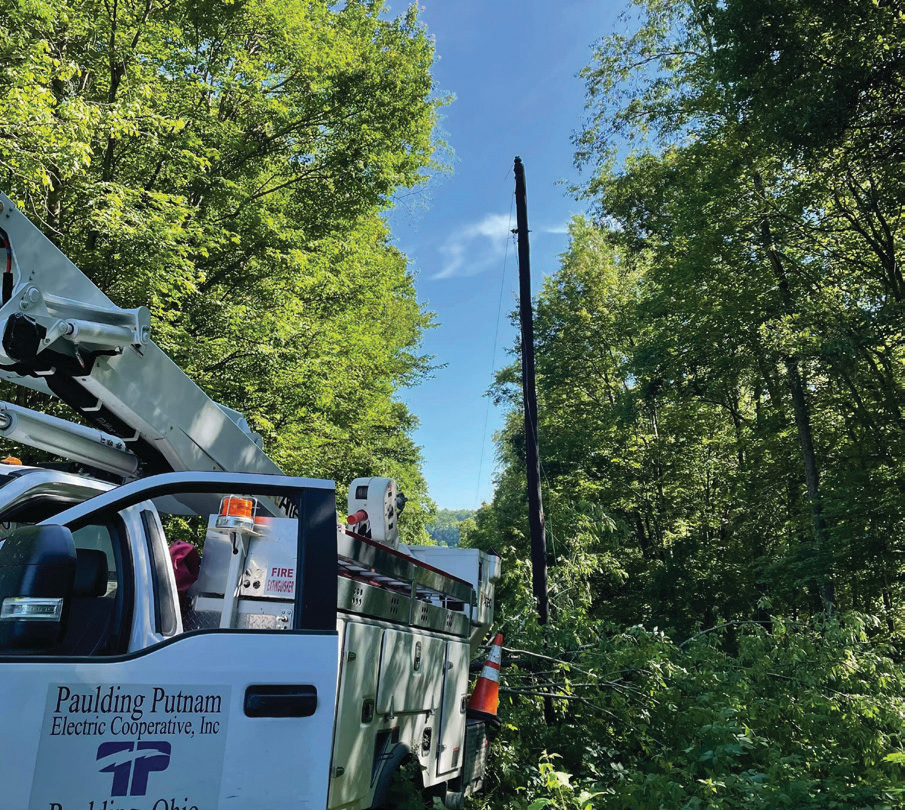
(721, 383)
(447, 524)
(225, 163)
(759, 713)
(769, 261)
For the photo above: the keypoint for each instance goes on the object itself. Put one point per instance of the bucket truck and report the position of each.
(310, 658)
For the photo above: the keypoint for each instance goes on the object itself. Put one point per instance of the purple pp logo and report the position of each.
(131, 763)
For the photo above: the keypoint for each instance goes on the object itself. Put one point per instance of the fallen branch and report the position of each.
(554, 696)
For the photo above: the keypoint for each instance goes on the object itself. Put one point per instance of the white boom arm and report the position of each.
(61, 335)
(77, 442)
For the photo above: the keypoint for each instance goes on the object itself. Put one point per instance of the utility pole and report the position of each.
(529, 395)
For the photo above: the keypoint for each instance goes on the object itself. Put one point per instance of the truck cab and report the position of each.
(121, 707)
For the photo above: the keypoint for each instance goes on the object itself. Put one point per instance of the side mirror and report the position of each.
(37, 573)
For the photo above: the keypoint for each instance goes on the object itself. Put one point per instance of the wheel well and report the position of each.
(398, 755)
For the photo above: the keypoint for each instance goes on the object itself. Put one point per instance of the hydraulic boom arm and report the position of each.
(60, 334)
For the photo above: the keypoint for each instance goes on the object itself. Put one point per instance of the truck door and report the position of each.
(238, 716)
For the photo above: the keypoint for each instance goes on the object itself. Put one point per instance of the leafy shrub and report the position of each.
(746, 714)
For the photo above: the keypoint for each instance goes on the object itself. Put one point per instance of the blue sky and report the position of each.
(512, 67)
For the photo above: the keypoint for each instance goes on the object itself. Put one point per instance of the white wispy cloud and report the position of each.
(474, 247)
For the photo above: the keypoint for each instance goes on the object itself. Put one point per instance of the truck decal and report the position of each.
(130, 773)
(131, 747)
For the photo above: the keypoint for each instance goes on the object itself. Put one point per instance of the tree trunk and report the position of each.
(887, 606)
(802, 414)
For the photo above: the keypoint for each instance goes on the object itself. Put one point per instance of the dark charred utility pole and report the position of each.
(529, 395)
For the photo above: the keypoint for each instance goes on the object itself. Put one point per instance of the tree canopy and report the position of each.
(721, 383)
(226, 164)
(447, 525)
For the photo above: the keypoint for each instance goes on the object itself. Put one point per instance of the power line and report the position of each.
(496, 336)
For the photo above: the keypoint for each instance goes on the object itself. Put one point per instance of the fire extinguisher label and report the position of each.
(280, 581)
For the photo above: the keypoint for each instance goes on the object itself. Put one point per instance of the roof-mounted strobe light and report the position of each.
(237, 520)
(237, 513)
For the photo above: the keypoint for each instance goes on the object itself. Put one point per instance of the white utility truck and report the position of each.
(306, 663)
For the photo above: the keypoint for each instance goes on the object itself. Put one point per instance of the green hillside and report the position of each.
(446, 527)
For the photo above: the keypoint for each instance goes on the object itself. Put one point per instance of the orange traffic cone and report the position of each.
(485, 699)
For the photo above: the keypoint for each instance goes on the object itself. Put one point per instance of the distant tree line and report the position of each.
(447, 524)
